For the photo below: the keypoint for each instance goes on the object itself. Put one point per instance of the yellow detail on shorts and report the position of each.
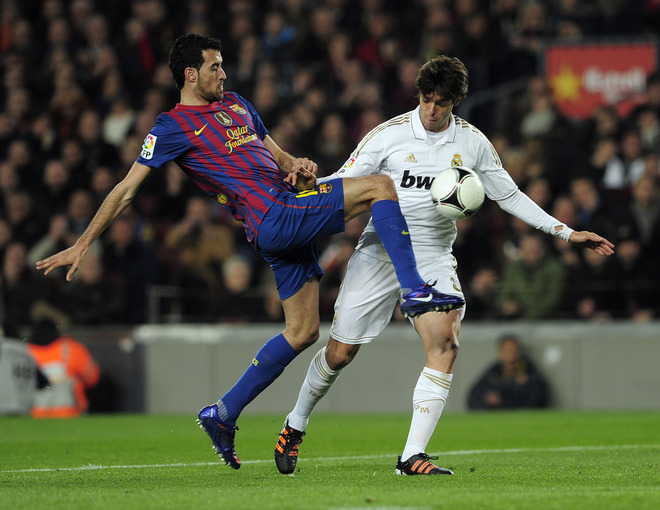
(255, 361)
(405, 233)
(307, 193)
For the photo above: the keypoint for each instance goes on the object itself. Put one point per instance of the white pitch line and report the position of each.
(92, 467)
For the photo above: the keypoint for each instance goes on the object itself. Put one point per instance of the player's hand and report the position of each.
(303, 174)
(306, 166)
(584, 239)
(72, 256)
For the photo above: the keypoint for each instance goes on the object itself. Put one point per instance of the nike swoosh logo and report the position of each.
(199, 131)
(424, 299)
(405, 233)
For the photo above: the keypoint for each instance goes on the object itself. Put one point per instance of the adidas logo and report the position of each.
(410, 159)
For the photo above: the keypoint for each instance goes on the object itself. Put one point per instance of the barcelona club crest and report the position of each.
(238, 109)
(325, 188)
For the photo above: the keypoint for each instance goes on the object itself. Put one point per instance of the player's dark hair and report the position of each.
(187, 52)
(445, 76)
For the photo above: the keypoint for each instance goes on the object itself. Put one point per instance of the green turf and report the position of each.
(549, 459)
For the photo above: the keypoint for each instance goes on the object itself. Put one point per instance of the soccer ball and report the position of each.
(457, 193)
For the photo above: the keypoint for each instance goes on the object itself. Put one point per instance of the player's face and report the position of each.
(435, 111)
(210, 83)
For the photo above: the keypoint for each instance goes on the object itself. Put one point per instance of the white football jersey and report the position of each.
(412, 157)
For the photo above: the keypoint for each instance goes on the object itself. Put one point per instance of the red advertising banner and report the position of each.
(582, 78)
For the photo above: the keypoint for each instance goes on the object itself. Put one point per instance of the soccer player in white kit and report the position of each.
(412, 148)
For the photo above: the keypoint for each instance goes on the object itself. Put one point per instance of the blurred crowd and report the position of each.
(83, 82)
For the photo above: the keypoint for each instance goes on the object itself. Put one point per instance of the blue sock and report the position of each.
(390, 226)
(266, 366)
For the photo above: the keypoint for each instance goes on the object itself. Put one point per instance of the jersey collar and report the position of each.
(199, 108)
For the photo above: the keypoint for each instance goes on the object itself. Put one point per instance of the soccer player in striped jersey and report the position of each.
(220, 142)
(412, 148)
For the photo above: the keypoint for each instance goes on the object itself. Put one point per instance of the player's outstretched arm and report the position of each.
(116, 201)
(584, 239)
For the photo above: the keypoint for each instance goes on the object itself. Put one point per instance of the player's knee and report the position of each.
(310, 337)
(302, 337)
(384, 186)
(339, 355)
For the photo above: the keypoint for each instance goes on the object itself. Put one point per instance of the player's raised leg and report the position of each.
(377, 193)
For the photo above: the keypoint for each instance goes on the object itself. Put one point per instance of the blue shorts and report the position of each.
(288, 234)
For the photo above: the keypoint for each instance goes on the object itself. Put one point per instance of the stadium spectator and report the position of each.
(564, 210)
(23, 219)
(132, 263)
(239, 301)
(70, 368)
(512, 382)
(199, 246)
(59, 236)
(636, 280)
(94, 298)
(593, 211)
(97, 152)
(80, 210)
(481, 293)
(55, 188)
(645, 214)
(22, 289)
(595, 294)
(532, 287)
(629, 165)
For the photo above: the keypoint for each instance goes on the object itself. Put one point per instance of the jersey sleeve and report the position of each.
(497, 182)
(164, 143)
(523, 207)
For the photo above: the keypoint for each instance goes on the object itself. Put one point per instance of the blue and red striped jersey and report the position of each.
(220, 147)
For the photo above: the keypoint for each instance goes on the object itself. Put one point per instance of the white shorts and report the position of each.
(370, 291)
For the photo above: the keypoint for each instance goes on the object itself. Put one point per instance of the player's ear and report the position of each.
(191, 74)
(458, 101)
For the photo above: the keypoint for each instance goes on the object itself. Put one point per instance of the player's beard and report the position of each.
(212, 94)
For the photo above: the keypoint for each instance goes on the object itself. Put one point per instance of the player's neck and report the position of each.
(189, 98)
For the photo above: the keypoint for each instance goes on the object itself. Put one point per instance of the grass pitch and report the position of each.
(513, 460)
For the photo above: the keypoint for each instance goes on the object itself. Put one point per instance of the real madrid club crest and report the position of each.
(456, 160)
(223, 119)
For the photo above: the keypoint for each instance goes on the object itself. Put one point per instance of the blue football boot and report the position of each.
(221, 434)
(427, 299)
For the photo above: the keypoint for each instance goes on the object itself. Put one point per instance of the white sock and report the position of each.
(429, 398)
(318, 381)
